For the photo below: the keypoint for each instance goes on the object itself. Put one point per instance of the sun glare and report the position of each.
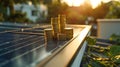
(73, 2)
(94, 3)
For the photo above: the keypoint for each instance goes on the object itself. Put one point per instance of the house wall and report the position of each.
(107, 27)
(28, 10)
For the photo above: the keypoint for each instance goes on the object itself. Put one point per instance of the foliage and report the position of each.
(61, 9)
(8, 3)
(115, 37)
(109, 58)
(86, 10)
(114, 50)
(114, 10)
(101, 11)
(78, 15)
(75, 18)
(104, 10)
(91, 41)
(18, 17)
(1, 17)
(96, 63)
(47, 1)
(56, 8)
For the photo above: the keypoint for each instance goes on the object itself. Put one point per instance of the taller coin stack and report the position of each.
(62, 23)
(55, 27)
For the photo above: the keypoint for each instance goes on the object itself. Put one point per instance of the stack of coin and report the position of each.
(48, 33)
(61, 37)
(69, 33)
(55, 26)
(62, 23)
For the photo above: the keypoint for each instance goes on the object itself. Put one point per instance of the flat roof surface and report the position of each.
(25, 47)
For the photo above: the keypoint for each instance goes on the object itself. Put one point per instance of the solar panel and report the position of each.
(23, 47)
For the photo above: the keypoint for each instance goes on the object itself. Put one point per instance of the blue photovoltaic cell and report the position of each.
(13, 45)
(22, 50)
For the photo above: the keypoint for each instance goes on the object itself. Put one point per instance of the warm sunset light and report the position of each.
(94, 3)
(73, 2)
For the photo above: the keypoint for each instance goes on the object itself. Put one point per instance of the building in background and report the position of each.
(36, 13)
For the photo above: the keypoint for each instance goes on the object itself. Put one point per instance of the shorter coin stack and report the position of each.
(48, 33)
(69, 33)
(61, 36)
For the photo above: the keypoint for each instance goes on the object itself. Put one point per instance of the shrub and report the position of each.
(18, 17)
(1, 17)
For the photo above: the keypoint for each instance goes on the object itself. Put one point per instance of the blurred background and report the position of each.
(76, 11)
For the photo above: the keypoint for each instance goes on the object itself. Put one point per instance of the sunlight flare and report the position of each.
(94, 3)
(74, 2)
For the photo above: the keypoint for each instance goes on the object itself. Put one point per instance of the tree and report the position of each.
(56, 8)
(86, 8)
(78, 15)
(47, 2)
(6, 3)
(114, 10)
(101, 10)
